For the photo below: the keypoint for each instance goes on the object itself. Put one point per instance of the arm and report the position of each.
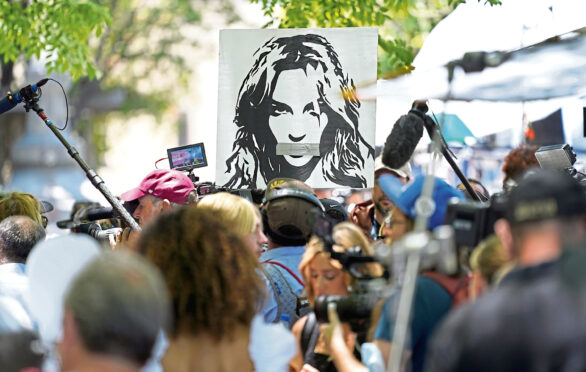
(338, 349)
(297, 362)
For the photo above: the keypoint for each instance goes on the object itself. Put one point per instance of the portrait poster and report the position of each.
(287, 107)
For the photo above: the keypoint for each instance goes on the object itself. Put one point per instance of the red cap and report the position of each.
(163, 184)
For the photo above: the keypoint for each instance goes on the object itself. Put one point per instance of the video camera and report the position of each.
(474, 221)
(437, 253)
(190, 157)
(356, 307)
(95, 220)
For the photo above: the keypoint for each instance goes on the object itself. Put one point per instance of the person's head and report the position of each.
(18, 351)
(324, 275)
(382, 203)
(115, 308)
(239, 215)
(18, 235)
(478, 187)
(209, 270)
(20, 204)
(334, 210)
(486, 261)
(545, 213)
(271, 114)
(405, 199)
(159, 191)
(288, 212)
(516, 162)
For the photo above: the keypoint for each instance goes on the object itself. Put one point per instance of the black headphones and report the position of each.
(274, 194)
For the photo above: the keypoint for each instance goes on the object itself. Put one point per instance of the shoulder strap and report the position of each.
(307, 332)
(286, 268)
(456, 287)
(275, 292)
(309, 336)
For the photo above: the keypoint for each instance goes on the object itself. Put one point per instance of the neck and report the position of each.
(539, 247)
(272, 245)
(202, 352)
(378, 216)
(89, 362)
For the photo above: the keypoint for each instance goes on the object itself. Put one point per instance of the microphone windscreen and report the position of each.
(6, 105)
(402, 140)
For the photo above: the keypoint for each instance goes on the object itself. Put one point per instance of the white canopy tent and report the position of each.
(539, 73)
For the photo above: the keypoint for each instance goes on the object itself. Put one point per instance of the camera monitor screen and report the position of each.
(187, 157)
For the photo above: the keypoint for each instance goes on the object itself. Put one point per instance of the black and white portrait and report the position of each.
(296, 113)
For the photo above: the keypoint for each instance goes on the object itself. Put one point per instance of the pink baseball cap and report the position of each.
(163, 184)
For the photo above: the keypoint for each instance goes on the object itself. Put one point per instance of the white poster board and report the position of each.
(287, 108)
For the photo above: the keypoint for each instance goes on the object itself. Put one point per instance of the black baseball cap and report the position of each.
(545, 194)
(335, 210)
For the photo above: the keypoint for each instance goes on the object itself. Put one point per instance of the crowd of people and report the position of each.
(220, 283)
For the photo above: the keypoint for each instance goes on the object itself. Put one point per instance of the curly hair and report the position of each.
(517, 160)
(20, 204)
(209, 270)
(346, 236)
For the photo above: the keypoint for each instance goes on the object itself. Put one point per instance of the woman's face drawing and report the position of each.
(294, 118)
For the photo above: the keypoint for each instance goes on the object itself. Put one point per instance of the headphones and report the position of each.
(275, 194)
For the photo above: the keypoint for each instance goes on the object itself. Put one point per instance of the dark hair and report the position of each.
(210, 271)
(18, 236)
(254, 149)
(120, 305)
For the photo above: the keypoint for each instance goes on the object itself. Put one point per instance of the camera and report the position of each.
(356, 308)
(95, 220)
(474, 221)
(95, 230)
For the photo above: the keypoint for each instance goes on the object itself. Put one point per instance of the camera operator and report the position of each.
(433, 297)
(159, 191)
(288, 214)
(528, 322)
(325, 276)
(369, 215)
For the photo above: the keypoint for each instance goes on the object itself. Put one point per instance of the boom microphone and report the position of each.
(404, 137)
(12, 99)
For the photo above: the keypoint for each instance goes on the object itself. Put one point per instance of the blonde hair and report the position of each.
(346, 236)
(488, 258)
(237, 213)
(20, 204)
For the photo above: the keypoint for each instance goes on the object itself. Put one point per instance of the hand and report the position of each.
(333, 332)
(308, 368)
(125, 239)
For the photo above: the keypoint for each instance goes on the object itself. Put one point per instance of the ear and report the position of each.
(69, 337)
(502, 230)
(165, 205)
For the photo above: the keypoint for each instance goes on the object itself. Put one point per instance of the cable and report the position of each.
(66, 104)
(157, 162)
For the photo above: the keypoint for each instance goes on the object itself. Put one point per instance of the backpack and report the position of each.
(457, 287)
(289, 303)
